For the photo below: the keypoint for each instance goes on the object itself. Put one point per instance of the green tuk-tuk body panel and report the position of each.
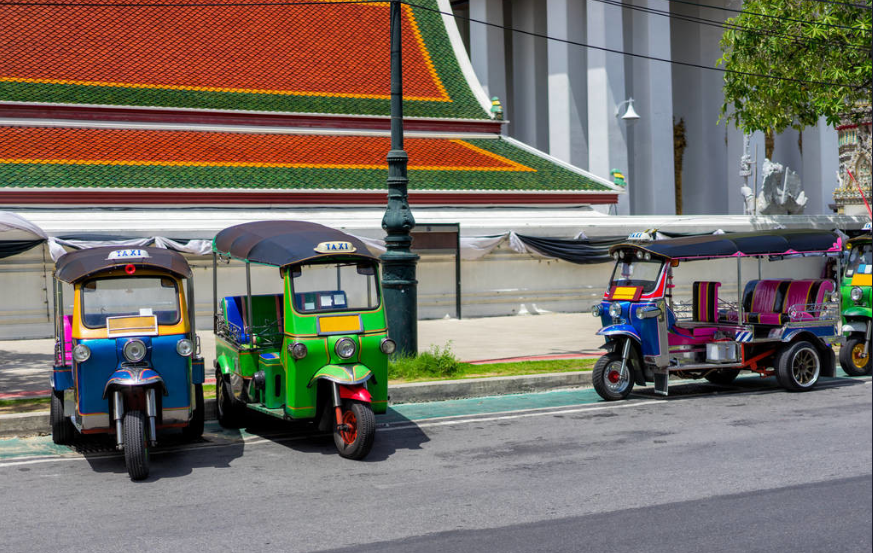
(859, 309)
(366, 328)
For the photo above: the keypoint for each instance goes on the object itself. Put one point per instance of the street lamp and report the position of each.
(399, 286)
(630, 115)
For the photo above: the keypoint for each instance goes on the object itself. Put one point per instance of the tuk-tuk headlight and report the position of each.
(647, 256)
(184, 347)
(856, 293)
(134, 351)
(615, 310)
(297, 350)
(388, 346)
(81, 353)
(345, 348)
(596, 310)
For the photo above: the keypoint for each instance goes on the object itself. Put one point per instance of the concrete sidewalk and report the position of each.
(25, 365)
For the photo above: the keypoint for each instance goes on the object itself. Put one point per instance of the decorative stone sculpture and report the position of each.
(782, 192)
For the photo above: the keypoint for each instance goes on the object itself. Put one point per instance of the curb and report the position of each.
(37, 422)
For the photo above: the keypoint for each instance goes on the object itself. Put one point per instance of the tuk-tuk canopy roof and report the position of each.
(281, 243)
(740, 244)
(76, 265)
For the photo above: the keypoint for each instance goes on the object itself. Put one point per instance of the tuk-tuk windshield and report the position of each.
(130, 296)
(861, 254)
(637, 272)
(334, 287)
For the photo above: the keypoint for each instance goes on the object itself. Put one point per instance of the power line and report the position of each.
(184, 4)
(631, 54)
(801, 21)
(848, 4)
(732, 26)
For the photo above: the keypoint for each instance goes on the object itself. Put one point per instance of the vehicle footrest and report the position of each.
(661, 383)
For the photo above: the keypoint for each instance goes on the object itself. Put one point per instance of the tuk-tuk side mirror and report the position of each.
(295, 271)
(368, 270)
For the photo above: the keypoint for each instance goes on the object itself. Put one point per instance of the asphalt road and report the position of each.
(756, 470)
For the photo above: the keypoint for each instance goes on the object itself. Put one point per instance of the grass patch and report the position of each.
(24, 405)
(441, 363)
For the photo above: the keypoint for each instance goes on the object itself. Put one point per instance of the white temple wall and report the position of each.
(501, 283)
(545, 80)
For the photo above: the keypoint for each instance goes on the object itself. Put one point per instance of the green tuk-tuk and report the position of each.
(856, 303)
(315, 349)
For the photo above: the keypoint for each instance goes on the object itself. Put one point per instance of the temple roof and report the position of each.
(317, 57)
(82, 157)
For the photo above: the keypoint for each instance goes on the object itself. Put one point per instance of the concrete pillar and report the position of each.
(487, 50)
(651, 171)
(568, 98)
(607, 139)
(820, 165)
(530, 75)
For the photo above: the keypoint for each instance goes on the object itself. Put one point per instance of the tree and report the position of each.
(821, 49)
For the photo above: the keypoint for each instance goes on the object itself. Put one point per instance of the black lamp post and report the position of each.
(399, 285)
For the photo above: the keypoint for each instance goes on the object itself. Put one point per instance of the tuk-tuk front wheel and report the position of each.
(610, 381)
(136, 446)
(355, 433)
(798, 366)
(62, 428)
(852, 357)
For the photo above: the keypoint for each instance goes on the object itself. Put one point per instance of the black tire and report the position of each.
(609, 382)
(136, 446)
(357, 441)
(722, 377)
(230, 414)
(62, 428)
(798, 366)
(195, 426)
(851, 359)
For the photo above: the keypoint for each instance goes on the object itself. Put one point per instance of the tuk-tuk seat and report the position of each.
(68, 339)
(767, 302)
(705, 301)
(267, 314)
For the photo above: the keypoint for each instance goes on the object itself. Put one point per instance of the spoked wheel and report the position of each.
(798, 367)
(195, 426)
(722, 377)
(355, 433)
(136, 446)
(853, 360)
(229, 414)
(610, 381)
(62, 428)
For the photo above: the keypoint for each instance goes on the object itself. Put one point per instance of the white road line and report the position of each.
(439, 421)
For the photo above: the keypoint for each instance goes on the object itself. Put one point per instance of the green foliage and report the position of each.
(438, 362)
(804, 40)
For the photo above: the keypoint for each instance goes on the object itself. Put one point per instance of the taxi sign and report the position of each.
(867, 226)
(127, 254)
(335, 247)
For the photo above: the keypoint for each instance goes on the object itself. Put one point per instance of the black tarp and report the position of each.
(760, 243)
(582, 251)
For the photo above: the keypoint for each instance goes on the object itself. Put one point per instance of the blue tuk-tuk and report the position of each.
(774, 327)
(126, 358)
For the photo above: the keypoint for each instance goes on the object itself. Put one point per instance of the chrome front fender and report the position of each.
(133, 377)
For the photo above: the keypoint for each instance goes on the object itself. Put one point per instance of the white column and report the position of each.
(529, 112)
(651, 180)
(820, 165)
(607, 143)
(568, 98)
(487, 50)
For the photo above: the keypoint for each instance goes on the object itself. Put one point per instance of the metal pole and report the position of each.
(398, 273)
(250, 320)
(739, 290)
(215, 292)
(458, 272)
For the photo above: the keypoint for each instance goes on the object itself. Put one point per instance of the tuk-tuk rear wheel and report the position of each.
(229, 414)
(852, 358)
(136, 447)
(62, 428)
(610, 382)
(798, 367)
(195, 426)
(356, 431)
